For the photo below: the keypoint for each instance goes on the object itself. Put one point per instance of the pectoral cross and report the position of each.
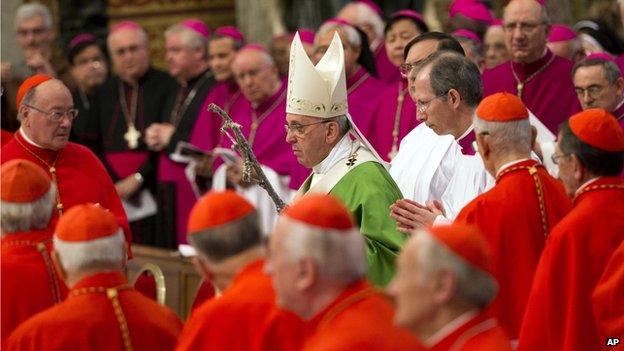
(352, 159)
(520, 86)
(132, 137)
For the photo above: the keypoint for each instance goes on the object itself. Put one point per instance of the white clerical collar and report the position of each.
(450, 327)
(465, 133)
(584, 185)
(28, 139)
(618, 106)
(338, 152)
(509, 164)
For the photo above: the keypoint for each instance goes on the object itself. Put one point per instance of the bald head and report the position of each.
(129, 51)
(256, 74)
(526, 25)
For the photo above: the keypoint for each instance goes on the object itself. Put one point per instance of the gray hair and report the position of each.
(450, 70)
(506, 137)
(611, 69)
(21, 217)
(473, 285)
(343, 124)
(190, 38)
(228, 240)
(267, 59)
(31, 10)
(338, 255)
(352, 34)
(103, 254)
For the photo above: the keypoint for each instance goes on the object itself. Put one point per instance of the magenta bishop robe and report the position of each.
(549, 94)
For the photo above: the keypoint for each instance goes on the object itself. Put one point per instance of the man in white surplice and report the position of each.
(436, 168)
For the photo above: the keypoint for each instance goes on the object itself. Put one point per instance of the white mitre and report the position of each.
(320, 91)
(317, 91)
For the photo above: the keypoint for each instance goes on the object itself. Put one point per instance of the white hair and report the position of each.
(20, 217)
(107, 253)
(266, 58)
(506, 137)
(352, 35)
(339, 255)
(190, 38)
(368, 15)
(31, 10)
(473, 285)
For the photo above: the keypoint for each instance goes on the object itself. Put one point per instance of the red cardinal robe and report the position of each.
(608, 298)
(29, 281)
(358, 319)
(559, 310)
(478, 332)
(509, 216)
(102, 312)
(243, 318)
(80, 176)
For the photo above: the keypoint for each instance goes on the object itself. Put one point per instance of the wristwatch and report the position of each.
(139, 178)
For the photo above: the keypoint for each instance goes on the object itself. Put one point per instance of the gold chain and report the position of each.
(598, 187)
(255, 120)
(397, 122)
(40, 246)
(538, 187)
(52, 170)
(520, 84)
(113, 296)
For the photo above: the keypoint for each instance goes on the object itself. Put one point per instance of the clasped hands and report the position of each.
(410, 215)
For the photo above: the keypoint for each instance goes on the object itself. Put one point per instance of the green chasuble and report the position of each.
(368, 191)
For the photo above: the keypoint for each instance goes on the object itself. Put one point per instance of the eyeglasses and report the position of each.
(525, 27)
(299, 129)
(55, 115)
(406, 68)
(592, 90)
(555, 158)
(422, 106)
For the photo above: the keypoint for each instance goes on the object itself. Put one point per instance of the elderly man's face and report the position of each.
(594, 90)
(283, 270)
(351, 53)
(129, 53)
(397, 37)
(49, 96)
(181, 58)
(89, 67)
(412, 292)
(308, 139)
(431, 109)
(525, 32)
(256, 75)
(221, 55)
(33, 36)
(494, 47)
